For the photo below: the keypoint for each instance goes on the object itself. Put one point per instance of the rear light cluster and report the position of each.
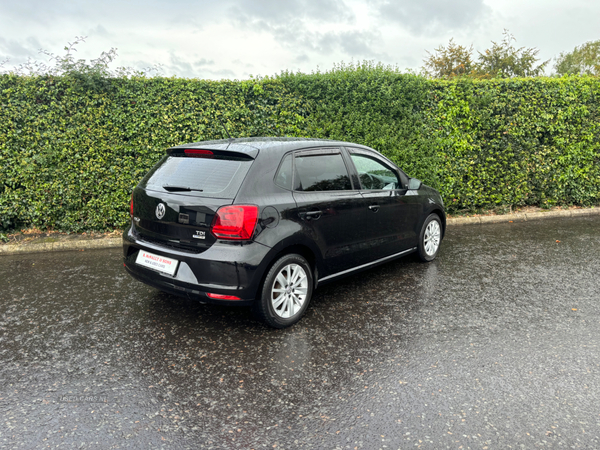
(131, 206)
(235, 222)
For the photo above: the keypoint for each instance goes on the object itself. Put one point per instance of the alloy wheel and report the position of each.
(432, 237)
(289, 291)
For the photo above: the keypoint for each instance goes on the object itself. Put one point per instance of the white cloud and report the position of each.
(236, 38)
(432, 16)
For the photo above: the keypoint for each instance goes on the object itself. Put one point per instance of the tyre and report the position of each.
(430, 238)
(286, 292)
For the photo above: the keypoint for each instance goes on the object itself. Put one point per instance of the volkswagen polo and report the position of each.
(262, 222)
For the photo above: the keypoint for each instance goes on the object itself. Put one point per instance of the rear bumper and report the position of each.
(226, 268)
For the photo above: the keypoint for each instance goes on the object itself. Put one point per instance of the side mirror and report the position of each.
(414, 184)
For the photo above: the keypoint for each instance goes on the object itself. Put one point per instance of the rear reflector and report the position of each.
(235, 222)
(222, 297)
(194, 152)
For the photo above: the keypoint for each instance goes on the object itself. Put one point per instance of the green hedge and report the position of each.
(376, 106)
(528, 141)
(71, 152)
(70, 156)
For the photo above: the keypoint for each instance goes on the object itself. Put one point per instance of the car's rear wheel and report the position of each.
(286, 292)
(430, 238)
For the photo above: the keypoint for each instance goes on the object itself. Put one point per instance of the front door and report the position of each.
(390, 213)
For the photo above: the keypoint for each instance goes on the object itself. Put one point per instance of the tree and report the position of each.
(449, 62)
(503, 60)
(583, 60)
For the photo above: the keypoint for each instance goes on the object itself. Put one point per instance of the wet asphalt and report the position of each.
(493, 345)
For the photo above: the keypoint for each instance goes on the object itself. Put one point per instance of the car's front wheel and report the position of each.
(286, 292)
(430, 238)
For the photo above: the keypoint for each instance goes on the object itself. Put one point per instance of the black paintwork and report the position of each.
(335, 230)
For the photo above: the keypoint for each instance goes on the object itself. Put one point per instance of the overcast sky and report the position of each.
(234, 39)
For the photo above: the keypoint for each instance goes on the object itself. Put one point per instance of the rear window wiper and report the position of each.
(170, 188)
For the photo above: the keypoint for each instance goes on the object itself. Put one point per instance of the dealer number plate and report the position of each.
(156, 262)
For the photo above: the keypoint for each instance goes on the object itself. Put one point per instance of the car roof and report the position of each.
(252, 145)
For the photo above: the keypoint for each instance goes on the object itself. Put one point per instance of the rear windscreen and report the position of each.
(203, 176)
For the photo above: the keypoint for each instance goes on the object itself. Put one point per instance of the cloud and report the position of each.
(426, 16)
(99, 30)
(222, 73)
(359, 43)
(309, 28)
(19, 52)
(202, 68)
(302, 58)
(216, 39)
(295, 36)
(275, 11)
(65, 14)
(355, 44)
(239, 62)
(180, 65)
(15, 48)
(204, 62)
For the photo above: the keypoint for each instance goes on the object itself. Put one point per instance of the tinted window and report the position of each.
(321, 172)
(284, 174)
(373, 174)
(205, 176)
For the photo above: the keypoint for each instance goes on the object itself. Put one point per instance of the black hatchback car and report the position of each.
(263, 221)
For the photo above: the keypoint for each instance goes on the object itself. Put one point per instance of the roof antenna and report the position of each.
(226, 131)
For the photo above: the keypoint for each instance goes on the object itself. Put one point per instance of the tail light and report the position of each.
(131, 206)
(235, 222)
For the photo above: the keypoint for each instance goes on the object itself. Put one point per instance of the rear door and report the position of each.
(330, 207)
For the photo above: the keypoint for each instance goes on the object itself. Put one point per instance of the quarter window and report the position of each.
(318, 171)
(284, 174)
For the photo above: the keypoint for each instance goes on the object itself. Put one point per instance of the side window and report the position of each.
(317, 171)
(284, 174)
(373, 174)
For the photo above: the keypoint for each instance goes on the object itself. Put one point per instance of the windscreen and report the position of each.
(214, 177)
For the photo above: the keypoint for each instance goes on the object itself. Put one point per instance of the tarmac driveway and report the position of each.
(493, 345)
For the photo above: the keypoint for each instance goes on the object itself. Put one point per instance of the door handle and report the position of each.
(313, 215)
(310, 215)
(374, 208)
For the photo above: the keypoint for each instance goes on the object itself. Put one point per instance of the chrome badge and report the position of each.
(199, 235)
(160, 211)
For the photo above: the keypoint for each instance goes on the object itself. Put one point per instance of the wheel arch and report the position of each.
(439, 212)
(442, 217)
(298, 248)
